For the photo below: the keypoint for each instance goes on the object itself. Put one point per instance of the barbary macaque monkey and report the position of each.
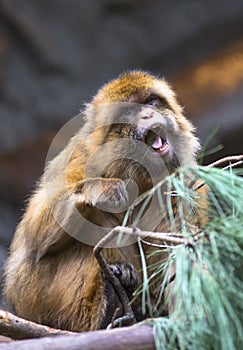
(134, 134)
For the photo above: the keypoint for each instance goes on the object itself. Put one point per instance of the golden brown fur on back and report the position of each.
(53, 278)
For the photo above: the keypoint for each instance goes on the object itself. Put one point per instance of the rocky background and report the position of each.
(55, 54)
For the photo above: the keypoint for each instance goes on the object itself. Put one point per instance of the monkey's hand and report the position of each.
(127, 275)
(105, 194)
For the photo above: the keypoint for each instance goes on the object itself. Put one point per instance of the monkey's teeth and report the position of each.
(164, 149)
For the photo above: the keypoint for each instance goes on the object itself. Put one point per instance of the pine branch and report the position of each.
(206, 292)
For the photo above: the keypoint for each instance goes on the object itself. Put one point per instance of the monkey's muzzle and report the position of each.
(155, 138)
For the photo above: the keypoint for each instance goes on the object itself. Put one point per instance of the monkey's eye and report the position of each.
(154, 101)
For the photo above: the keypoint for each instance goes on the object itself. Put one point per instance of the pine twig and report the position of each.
(170, 237)
(226, 160)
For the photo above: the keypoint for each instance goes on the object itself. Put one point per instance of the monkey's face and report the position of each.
(147, 129)
(150, 122)
(136, 120)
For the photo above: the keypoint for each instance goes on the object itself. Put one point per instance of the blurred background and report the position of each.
(55, 54)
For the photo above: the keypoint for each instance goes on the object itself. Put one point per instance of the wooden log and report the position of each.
(137, 337)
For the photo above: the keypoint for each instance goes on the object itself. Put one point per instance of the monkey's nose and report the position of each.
(147, 114)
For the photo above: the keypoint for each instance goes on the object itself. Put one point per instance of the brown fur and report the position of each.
(53, 279)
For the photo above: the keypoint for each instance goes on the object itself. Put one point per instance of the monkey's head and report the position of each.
(135, 122)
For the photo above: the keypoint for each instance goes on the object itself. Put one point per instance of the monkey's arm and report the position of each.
(55, 213)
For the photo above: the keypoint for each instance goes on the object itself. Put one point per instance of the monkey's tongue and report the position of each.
(157, 144)
(160, 146)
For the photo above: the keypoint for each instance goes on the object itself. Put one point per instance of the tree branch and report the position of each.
(137, 337)
(19, 328)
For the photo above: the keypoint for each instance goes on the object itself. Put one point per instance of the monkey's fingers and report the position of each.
(127, 275)
(126, 320)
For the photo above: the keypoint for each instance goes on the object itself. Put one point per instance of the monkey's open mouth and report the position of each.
(155, 138)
